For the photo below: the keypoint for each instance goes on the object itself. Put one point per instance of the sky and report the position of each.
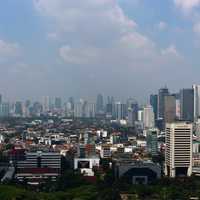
(124, 48)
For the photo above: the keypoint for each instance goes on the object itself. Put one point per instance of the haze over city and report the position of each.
(82, 48)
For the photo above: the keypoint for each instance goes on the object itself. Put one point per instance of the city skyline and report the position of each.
(100, 46)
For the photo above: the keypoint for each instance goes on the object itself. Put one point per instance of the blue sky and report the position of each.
(125, 48)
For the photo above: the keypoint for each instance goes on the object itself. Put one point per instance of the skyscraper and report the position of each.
(46, 104)
(169, 108)
(99, 104)
(196, 90)
(154, 104)
(1, 101)
(71, 101)
(152, 141)
(178, 152)
(78, 109)
(58, 103)
(187, 104)
(4, 109)
(162, 93)
(133, 105)
(120, 111)
(148, 117)
(18, 108)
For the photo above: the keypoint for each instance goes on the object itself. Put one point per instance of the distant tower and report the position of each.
(46, 104)
(148, 117)
(1, 101)
(196, 90)
(99, 104)
(187, 104)
(152, 141)
(162, 93)
(18, 108)
(58, 103)
(120, 111)
(169, 109)
(154, 104)
(178, 152)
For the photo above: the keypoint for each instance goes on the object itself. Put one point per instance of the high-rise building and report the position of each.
(148, 117)
(178, 152)
(187, 104)
(58, 103)
(18, 108)
(99, 104)
(71, 101)
(46, 104)
(152, 141)
(89, 109)
(169, 108)
(154, 104)
(78, 109)
(4, 109)
(130, 117)
(1, 101)
(161, 96)
(132, 111)
(196, 89)
(120, 111)
(140, 115)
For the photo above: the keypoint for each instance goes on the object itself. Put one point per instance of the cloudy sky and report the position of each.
(84, 47)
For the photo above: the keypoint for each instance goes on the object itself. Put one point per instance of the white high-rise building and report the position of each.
(196, 89)
(178, 152)
(148, 117)
(140, 115)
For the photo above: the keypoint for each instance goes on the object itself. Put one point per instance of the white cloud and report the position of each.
(162, 25)
(187, 5)
(8, 49)
(76, 55)
(171, 50)
(97, 33)
(196, 28)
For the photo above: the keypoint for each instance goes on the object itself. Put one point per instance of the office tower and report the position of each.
(148, 117)
(58, 103)
(178, 109)
(178, 152)
(109, 109)
(120, 111)
(18, 108)
(132, 111)
(152, 141)
(4, 109)
(169, 108)
(36, 109)
(46, 104)
(196, 89)
(78, 109)
(140, 115)
(187, 104)
(162, 93)
(154, 104)
(99, 104)
(130, 116)
(88, 109)
(1, 101)
(71, 101)
(133, 105)
(27, 103)
(197, 128)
